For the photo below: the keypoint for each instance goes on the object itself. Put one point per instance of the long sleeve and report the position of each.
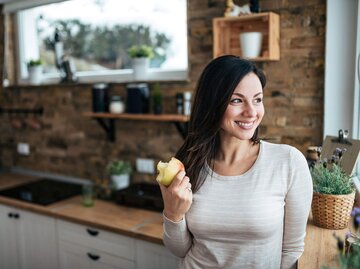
(297, 208)
(177, 237)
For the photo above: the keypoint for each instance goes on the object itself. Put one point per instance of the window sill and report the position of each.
(114, 77)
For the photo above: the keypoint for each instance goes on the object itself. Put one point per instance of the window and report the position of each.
(97, 34)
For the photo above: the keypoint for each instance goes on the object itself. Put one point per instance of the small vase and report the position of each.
(120, 181)
(251, 44)
(157, 109)
(140, 67)
(35, 74)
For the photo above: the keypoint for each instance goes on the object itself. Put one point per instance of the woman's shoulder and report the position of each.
(282, 149)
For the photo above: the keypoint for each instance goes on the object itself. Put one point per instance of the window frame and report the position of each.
(114, 76)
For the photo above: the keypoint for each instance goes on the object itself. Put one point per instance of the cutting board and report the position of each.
(349, 158)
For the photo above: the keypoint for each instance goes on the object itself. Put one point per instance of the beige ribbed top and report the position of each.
(254, 220)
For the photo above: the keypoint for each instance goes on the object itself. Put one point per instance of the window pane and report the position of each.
(98, 33)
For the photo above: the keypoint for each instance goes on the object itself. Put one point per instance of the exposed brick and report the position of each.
(71, 144)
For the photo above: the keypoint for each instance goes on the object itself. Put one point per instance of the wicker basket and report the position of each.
(332, 211)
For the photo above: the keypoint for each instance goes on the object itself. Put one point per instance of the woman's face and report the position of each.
(245, 110)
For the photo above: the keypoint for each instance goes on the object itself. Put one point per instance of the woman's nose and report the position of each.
(250, 110)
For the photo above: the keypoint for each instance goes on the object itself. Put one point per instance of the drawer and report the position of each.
(81, 257)
(97, 239)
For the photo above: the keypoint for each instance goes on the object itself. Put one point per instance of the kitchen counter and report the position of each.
(137, 223)
(320, 245)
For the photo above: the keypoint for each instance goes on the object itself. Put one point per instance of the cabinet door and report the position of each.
(80, 257)
(153, 256)
(38, 241)
(9, 254)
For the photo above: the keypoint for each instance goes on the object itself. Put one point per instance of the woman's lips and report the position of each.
(245, 125)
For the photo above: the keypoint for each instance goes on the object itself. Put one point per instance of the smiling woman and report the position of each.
(251, 198)
(97, 41)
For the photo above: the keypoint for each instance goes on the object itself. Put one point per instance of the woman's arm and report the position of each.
(177, 237)
(297, 208)
(177, 201)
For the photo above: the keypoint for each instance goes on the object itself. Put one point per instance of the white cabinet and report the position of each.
(85, 247)
(9, 254)
(34, 241)
(154, 256)
(27, 240)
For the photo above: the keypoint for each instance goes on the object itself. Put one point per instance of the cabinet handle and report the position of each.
(93, 256)
(16, 215)
(10, 215)
(92, 232)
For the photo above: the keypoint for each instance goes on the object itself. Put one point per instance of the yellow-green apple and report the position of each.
(167, 171)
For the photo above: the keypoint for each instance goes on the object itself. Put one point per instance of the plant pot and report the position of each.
(140, 67)
(250, 44)
(35, 74)
(120, 182)
(332, 211)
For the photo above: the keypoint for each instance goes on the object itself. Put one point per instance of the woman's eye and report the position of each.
(236, 101)
(258, 100)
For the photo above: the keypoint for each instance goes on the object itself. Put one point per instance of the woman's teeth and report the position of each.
(245, 124)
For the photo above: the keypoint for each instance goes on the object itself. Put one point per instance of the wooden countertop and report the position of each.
(320, 245)
(137, 223)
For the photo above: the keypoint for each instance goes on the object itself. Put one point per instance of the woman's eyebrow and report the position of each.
(241, 95)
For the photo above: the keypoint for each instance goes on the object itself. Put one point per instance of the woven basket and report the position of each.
(332, 211)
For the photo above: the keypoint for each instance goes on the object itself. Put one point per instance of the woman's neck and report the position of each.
(233, 150)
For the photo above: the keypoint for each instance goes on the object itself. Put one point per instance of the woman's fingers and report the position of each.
(184, 183)
(162, 189)
(178, 179)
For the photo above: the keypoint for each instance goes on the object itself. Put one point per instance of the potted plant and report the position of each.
(140, 56)
(35, 70)
(349, 247)
(157, 99)
(334, 193)
(119, 172)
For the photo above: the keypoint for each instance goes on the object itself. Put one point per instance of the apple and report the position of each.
(167, 171)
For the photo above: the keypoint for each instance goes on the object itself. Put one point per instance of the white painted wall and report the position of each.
(341, 91)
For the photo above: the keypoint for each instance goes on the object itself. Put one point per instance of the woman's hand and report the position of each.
(177, 197)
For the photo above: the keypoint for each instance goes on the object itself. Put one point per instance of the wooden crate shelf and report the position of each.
(226, 34)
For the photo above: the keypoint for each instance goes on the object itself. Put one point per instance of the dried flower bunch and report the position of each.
(349, 250)
(329, 178)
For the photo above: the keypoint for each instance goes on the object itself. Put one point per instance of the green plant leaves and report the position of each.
(331, 179)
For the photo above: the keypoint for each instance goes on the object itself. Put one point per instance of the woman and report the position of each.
(251, 199)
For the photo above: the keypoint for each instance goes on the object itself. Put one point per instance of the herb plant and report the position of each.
(331, 179)
(118, 167)
(34, 62)
(141, 51)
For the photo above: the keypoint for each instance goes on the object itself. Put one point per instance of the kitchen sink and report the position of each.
(141, 195)
(43, 192)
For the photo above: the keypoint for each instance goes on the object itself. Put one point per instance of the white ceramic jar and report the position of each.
(117, 105)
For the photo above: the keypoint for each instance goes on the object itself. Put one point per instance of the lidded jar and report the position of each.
(117, 105)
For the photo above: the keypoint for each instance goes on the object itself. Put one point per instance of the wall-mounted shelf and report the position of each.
(226, 34)
(107, 121)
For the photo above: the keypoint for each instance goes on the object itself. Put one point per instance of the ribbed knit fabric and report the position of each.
(254, 220)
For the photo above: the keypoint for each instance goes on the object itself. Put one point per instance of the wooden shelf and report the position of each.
(227, 29)
(145, 117)
(106, 120)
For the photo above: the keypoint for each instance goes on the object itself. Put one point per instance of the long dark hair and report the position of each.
(213, 92)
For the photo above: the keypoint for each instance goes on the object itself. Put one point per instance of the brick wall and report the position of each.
(72, 144)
